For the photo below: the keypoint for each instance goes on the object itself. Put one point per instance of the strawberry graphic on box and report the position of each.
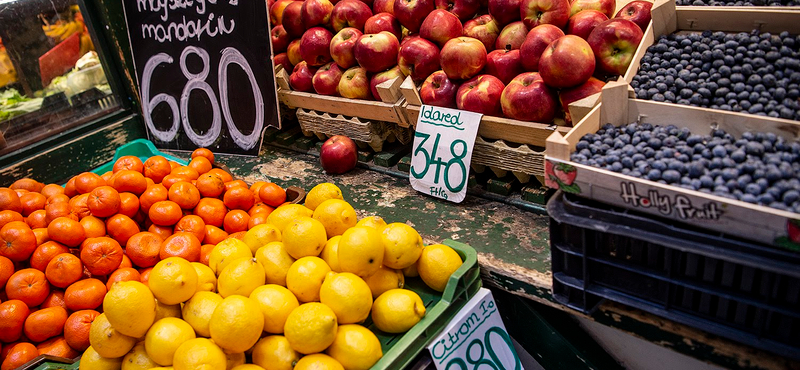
(558, 175)
(793, 230)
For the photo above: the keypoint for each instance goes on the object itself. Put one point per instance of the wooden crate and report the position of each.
(732, 217)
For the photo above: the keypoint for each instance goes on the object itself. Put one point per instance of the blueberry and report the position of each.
(765, 199)
(749, 198)
(754, 148)
(791, 196)
(670, 176)
(719, 151)
(654, 175)
(753, 189)
(730, 174)
(721, 189)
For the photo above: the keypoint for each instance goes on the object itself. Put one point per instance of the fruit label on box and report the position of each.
(443, 144)
(476, 336)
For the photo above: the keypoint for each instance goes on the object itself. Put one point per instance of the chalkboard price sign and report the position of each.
(204, 72)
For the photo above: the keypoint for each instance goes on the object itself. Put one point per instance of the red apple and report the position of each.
(383, 6)
(637, 12)
(512, 36)
(315, 46)
(293, 19)
(355, 84)
(293, 52)
(567, 62)
(483, 28)
(504, 64)
(527, 98)
(463, 9)
(462, 58)
(535, 42)
(300, 79)
(338, 154)
(317, 13)
(326, 79)
(614, 42)
(439, 90)
(342, 46)
(384, 22)
(276, 11)
(604, 6)
(481, 94)
(440, 26)
(377, 52)
(504, 11)
(382, 77)
(350, 13)
(536, 12)
(418, 58)
(270, 3)
(568, 96)
(280, 39)
(583, 22)
(411, 13)
(282, 59)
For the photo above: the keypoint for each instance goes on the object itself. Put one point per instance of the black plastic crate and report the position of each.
(746, 292)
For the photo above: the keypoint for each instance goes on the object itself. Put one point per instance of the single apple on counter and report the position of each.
(411, 13)
(440, 26)
(463, 9)
(483, 28)
(614, 42)
(504, 11)
(382, 77)
(512, 36)
(604, 6)
(315, 46)
(439, 90)
(637, 12)
(481, 94)
(527, 98)
(293, 20)
(504, 64)
(317, 13)
(377, 52)
(571, 95)
(462, 58)
(326, 79)
(338, 154)
(342, 46)
(350, 13)
(418, 58)
(383, 6)
(384, 22)
(300, 79)
(355, 84)
(280, 39)
(583, 22)
(567, 62)
(535, 42)
(293, 52)
(276, 11)
(536, 12)
(282, 59)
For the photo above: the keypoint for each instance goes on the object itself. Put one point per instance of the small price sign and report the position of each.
(442, 152)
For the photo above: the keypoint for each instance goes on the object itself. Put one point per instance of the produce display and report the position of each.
(758, 168)
(157, 264)
(756, 72)
(525, 60)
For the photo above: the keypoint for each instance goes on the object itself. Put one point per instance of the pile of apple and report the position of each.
(519, 60)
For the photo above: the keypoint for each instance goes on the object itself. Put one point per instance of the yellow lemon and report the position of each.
(199, 354)
(318, 361)
(347, 295)
(107, 341)
(411, 271)
(275, 353)
(241, 277)
(167, 310)
(137, 359)
(397, 310)
(305, 277)
(321, 193)
(130, 308)
(336, 215)
(248, 367)
(375, 222)
(164, 338)
(226, 251)
(355, 347)
(173, 280)
(361, 251)
(197, 311)
(236, 324)
(304, 237)
(91, 360)
(330, 253)
(402, 245)
(436, 264)
(287, 213)
(385, 279)
(311, 328)
(206, 280)
(162, 368)
(276, 262)
(276, 303)
(260, 235)
(234, 359)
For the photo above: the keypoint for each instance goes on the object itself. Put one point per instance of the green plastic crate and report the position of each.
(47, 362)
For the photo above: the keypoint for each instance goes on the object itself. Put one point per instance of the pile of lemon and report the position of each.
(291, 295)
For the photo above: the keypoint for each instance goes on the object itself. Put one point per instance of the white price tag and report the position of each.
(442, 152)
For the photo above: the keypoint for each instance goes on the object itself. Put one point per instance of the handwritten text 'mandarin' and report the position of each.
(185, 29)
